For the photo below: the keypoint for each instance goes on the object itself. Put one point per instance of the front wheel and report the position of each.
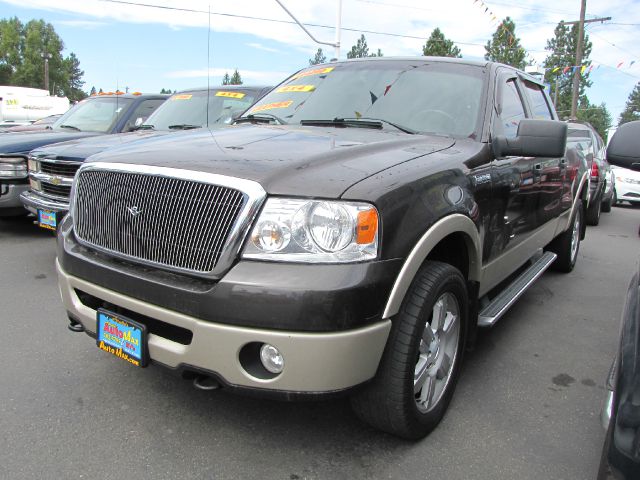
(421, 362)
(593, 213)
(567, 244)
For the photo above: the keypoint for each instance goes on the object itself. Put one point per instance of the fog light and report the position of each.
(271, 358)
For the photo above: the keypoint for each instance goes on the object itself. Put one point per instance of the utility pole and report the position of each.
(577, 73)
(46, 57)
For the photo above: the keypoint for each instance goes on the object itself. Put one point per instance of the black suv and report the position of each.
(349, 234)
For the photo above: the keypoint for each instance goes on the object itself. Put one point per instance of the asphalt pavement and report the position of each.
(527, 404)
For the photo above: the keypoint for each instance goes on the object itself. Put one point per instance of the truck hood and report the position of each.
(285, 160)
(24, 142)
(81, 148)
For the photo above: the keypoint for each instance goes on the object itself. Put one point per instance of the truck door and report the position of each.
(515, 186)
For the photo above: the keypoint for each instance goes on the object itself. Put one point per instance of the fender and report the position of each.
(579, 193)
(456, 223)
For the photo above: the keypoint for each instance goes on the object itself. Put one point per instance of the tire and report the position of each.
(593, 214)
(615, 197)
(606, 205)
(394, 401)
(567, 244)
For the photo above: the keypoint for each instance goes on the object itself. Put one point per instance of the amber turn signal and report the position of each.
(367, 226)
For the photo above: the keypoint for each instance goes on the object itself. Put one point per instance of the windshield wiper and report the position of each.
(146, 126)
(183, 126)
(260, 118)
(375, 123)
(71, 127)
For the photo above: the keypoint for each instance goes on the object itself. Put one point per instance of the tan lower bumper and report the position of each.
(314, 362)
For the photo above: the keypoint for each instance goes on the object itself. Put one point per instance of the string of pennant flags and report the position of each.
(589, 68)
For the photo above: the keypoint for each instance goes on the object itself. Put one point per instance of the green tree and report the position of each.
(10, 58)
(93, 91)
(361, 49)
(226, 79)
(560, 63)
(101, 91)
(165, 91)
(319, 58)
(440, 46)
(236, 79)
(631, 110)
(504, 46)
(72, 88)
(597, 115)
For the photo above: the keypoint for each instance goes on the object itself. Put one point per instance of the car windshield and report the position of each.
(189, 109)
(95, 114)
(421, 96)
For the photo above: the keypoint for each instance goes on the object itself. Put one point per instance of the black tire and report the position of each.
(615, 197)
(389, 402)
(606, 205)
(593, 213)
(562, 244)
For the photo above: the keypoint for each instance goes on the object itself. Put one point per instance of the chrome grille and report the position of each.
(179, 223)
(57, 190)
(59, 168)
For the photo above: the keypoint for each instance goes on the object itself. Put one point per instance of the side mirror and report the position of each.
(535, 138)
(624, 147)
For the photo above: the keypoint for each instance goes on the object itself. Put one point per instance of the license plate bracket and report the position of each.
(122, 337)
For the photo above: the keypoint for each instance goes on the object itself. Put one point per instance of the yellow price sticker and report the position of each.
(296, 88)
(269, 106)
(182, 97)
(315, 71)
(230, 94)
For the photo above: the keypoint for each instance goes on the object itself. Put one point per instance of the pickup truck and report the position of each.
(52, 167)
(347, 235)
(97, 115)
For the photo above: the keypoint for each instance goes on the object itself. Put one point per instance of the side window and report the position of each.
(512, 109)
(538, 101)
(143, 110)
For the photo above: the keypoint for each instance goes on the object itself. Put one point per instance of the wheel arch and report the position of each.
(436, 243)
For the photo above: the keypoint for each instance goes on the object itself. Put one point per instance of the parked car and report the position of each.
(99, 115)
(585, 139)
(627, 186)
(52, 167)
(42, 124)
(348, 235)
(621, 414)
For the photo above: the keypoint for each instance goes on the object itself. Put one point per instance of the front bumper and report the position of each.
(32, 202)
(627, 191)
(314, 362)
(10, 198)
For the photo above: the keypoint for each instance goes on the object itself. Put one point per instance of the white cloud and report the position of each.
(84, 24)
(259, 46)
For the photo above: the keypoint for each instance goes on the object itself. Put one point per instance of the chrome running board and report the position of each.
(499, 305)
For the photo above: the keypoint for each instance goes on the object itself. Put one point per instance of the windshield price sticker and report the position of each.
(181, 97)
(316, 71)
(230, 94)
(296, 88)
(269, 106)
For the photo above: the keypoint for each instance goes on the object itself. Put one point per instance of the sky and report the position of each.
(146, 48)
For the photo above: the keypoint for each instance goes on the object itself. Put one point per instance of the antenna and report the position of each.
(208, 61)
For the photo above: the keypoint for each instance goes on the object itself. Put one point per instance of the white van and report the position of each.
(20, 105)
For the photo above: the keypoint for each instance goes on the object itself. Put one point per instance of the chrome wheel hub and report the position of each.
(437, 353)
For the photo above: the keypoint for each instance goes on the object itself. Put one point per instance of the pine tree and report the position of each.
(226, 79)
(361, 49)
(439, 46)
(319, 58)
(560, 64)
(504, 46)
(93, 91)
(73, 86)
(631, 110)
(597, 115)
(236, 79)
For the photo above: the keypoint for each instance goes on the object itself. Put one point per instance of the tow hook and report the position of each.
(205, 382)
(75, 326)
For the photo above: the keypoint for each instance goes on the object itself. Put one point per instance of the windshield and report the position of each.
(98, 114)
(421, 96)
(189, 110)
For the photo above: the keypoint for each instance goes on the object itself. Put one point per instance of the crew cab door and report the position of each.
(549, 173)
(516, 185)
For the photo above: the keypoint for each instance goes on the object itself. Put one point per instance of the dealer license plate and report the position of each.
(122, 337)
(48, 219)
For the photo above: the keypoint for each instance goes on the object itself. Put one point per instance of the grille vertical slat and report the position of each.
(182, 224)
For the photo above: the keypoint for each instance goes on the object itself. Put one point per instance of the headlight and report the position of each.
(315, 231)
(13, 167)
(33, 165)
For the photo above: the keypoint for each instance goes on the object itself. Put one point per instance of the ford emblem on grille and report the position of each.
(134, 211)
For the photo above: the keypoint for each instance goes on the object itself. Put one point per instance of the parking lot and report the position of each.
(527, 405)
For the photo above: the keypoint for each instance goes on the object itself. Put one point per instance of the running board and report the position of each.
(499, 305)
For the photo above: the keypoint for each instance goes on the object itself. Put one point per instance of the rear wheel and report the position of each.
(567, 245)
(606, 205)
(421, 362)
